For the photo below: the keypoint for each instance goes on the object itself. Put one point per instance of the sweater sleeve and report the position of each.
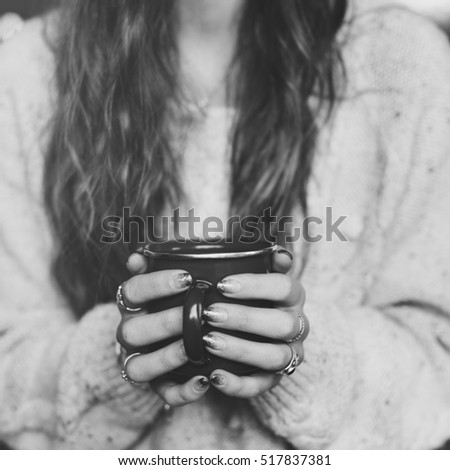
(60, 383)
(377, 373)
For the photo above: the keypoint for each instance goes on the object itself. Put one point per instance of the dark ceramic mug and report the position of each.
(208, 263)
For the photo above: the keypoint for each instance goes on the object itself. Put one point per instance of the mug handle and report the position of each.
(192, 323)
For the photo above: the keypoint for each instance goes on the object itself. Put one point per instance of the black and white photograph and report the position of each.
(225, 226)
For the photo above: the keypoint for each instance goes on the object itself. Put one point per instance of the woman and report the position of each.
(229, 108)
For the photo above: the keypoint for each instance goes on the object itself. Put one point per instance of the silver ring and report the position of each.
(301, 330)
(167, 408)
(124, 368)
(293, 363)
(121, 303)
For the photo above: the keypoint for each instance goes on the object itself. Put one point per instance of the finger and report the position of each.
(282, 261)
(146, 287)
(269, 322)
(243, 387)
(179, 395)
(147, 367)
(266, 356)
(137, 264)
(140, 330)
(276, 287)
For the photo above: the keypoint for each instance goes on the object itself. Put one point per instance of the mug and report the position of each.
(207, 263)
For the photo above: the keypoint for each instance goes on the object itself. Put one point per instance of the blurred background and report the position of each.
(438, 10)
(25, 8)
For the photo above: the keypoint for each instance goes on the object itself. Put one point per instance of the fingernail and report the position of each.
(214, 342)
(134, 260)
(181, 281)
(217, 379)
(287, 253)
(135, 256)
(215, 315)
(201, 384)
(229, 286)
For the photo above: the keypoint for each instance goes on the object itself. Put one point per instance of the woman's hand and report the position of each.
(140, 329)
(280, 323)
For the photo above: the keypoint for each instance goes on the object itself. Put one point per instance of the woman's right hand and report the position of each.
(141, 329)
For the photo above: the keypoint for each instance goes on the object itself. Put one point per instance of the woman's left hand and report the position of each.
(280, 323)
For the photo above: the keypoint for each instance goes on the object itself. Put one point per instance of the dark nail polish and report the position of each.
(182, 281)
(214, 342)
(202, 384)
(214, 315)
(218, 379)
(229, 286)
(287, 253)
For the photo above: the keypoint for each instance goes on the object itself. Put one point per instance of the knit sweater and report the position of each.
(376, 372)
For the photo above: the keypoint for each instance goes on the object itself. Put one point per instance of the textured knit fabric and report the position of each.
(377, 367)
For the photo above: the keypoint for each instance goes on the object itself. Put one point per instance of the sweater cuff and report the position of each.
(96, 408)
(309, 407)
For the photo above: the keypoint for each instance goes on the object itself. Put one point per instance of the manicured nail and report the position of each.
(287, 253)
(217, 379)
(135, 260)
(229, 286)
(201, 384)
(214, 342)
(181, 281)
(215, 315)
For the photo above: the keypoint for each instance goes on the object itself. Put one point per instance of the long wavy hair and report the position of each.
(116, 71)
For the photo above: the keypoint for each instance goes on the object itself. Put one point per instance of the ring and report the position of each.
(121, 303)
(293, 363)
(124, 368)
(301, 331)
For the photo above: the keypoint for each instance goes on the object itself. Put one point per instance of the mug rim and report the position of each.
(271, 248)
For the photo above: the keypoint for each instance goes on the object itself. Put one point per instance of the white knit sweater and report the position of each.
(377, 367)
